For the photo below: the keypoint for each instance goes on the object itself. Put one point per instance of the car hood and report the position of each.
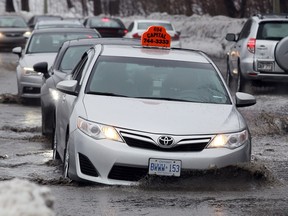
(30, 59)
(158, 116)
(5, 29)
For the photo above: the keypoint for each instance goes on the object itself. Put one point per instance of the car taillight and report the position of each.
(251, 45)
(136, 35)
(176, 37)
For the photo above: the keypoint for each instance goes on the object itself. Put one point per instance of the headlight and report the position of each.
(98, 131)
(54, 94)
(27, 34)
(1, 34)
(230, 141)
(30, 72)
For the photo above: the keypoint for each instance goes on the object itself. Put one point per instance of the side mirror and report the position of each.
(42, 67)
(244, 99)
(67, 87)
(17, 51)
(230, 37)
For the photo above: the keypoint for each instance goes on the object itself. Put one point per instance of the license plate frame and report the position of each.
(164, 167)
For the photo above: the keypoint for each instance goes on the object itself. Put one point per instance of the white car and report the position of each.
(137, 27)
(131, 111)
(43, 45)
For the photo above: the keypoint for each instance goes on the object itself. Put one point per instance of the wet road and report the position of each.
(258, 189)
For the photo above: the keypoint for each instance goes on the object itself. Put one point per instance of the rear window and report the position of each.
(105, 22)
(146, 25)
(272, 30)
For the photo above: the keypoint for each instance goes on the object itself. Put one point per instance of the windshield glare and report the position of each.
(157, 79)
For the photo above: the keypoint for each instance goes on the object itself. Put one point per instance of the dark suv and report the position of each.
(251, 60)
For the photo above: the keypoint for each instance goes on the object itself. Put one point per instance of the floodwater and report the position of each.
(259, 188)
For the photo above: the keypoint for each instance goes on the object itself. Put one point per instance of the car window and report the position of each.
(157, 79)
(12, 22)
(51, 42)
(145, 25)
(272, 30)
(71, 57)
(104, 22)
(245, 30)
(130, 27)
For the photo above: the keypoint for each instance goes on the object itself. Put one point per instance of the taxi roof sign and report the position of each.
(156, 36)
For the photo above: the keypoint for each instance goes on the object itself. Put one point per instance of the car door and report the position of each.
(66, 102)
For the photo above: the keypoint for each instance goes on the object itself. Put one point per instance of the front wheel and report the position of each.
(66, 162)
(54, 144)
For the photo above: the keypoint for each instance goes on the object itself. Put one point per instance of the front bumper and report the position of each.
(111, 162)
(29, 86)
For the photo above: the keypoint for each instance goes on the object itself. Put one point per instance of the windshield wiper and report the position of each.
(164, 98)
(106, 94)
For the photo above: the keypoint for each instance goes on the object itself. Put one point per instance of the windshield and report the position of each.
(272, 30)
(71, 57)
(12, 22)
(157, 79)
(51, 41)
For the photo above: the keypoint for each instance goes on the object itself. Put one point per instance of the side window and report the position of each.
(245, 30)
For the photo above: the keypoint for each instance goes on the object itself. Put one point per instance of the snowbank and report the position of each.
(23, 198)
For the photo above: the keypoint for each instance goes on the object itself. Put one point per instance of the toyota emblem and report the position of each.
(165, 141)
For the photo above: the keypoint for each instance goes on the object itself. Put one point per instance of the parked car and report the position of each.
(43, 45)
(106, 26)
(137, 27)
(251, 60)
(68, 56)
(13, 31)
(58, 24)
(36, 18)
(131, 111)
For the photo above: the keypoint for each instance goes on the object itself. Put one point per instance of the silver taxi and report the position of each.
(131, 111)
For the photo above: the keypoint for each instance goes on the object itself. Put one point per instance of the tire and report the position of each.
(243, 85)
(66, 161)
(54, 146)
(231, 80)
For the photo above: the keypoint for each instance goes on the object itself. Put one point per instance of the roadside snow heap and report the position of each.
(23, 198)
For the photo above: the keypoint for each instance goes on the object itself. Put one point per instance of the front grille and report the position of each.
(31, 90)
(197, 145)
(86, 166)
(14, 34)
(127, 173)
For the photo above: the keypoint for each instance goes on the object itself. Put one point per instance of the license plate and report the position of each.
(164, 167)
(265, 66)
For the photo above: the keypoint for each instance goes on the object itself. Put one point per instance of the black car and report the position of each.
(13, 31)
(68, 56)
(107, 27)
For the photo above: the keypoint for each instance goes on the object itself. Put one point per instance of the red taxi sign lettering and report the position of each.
(156, 36)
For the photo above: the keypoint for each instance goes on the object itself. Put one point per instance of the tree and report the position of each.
(70, 4)
(9, 6)
(25, 5)
(97, 7)
(84, 7)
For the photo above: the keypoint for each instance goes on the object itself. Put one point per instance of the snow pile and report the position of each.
(24, 198)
